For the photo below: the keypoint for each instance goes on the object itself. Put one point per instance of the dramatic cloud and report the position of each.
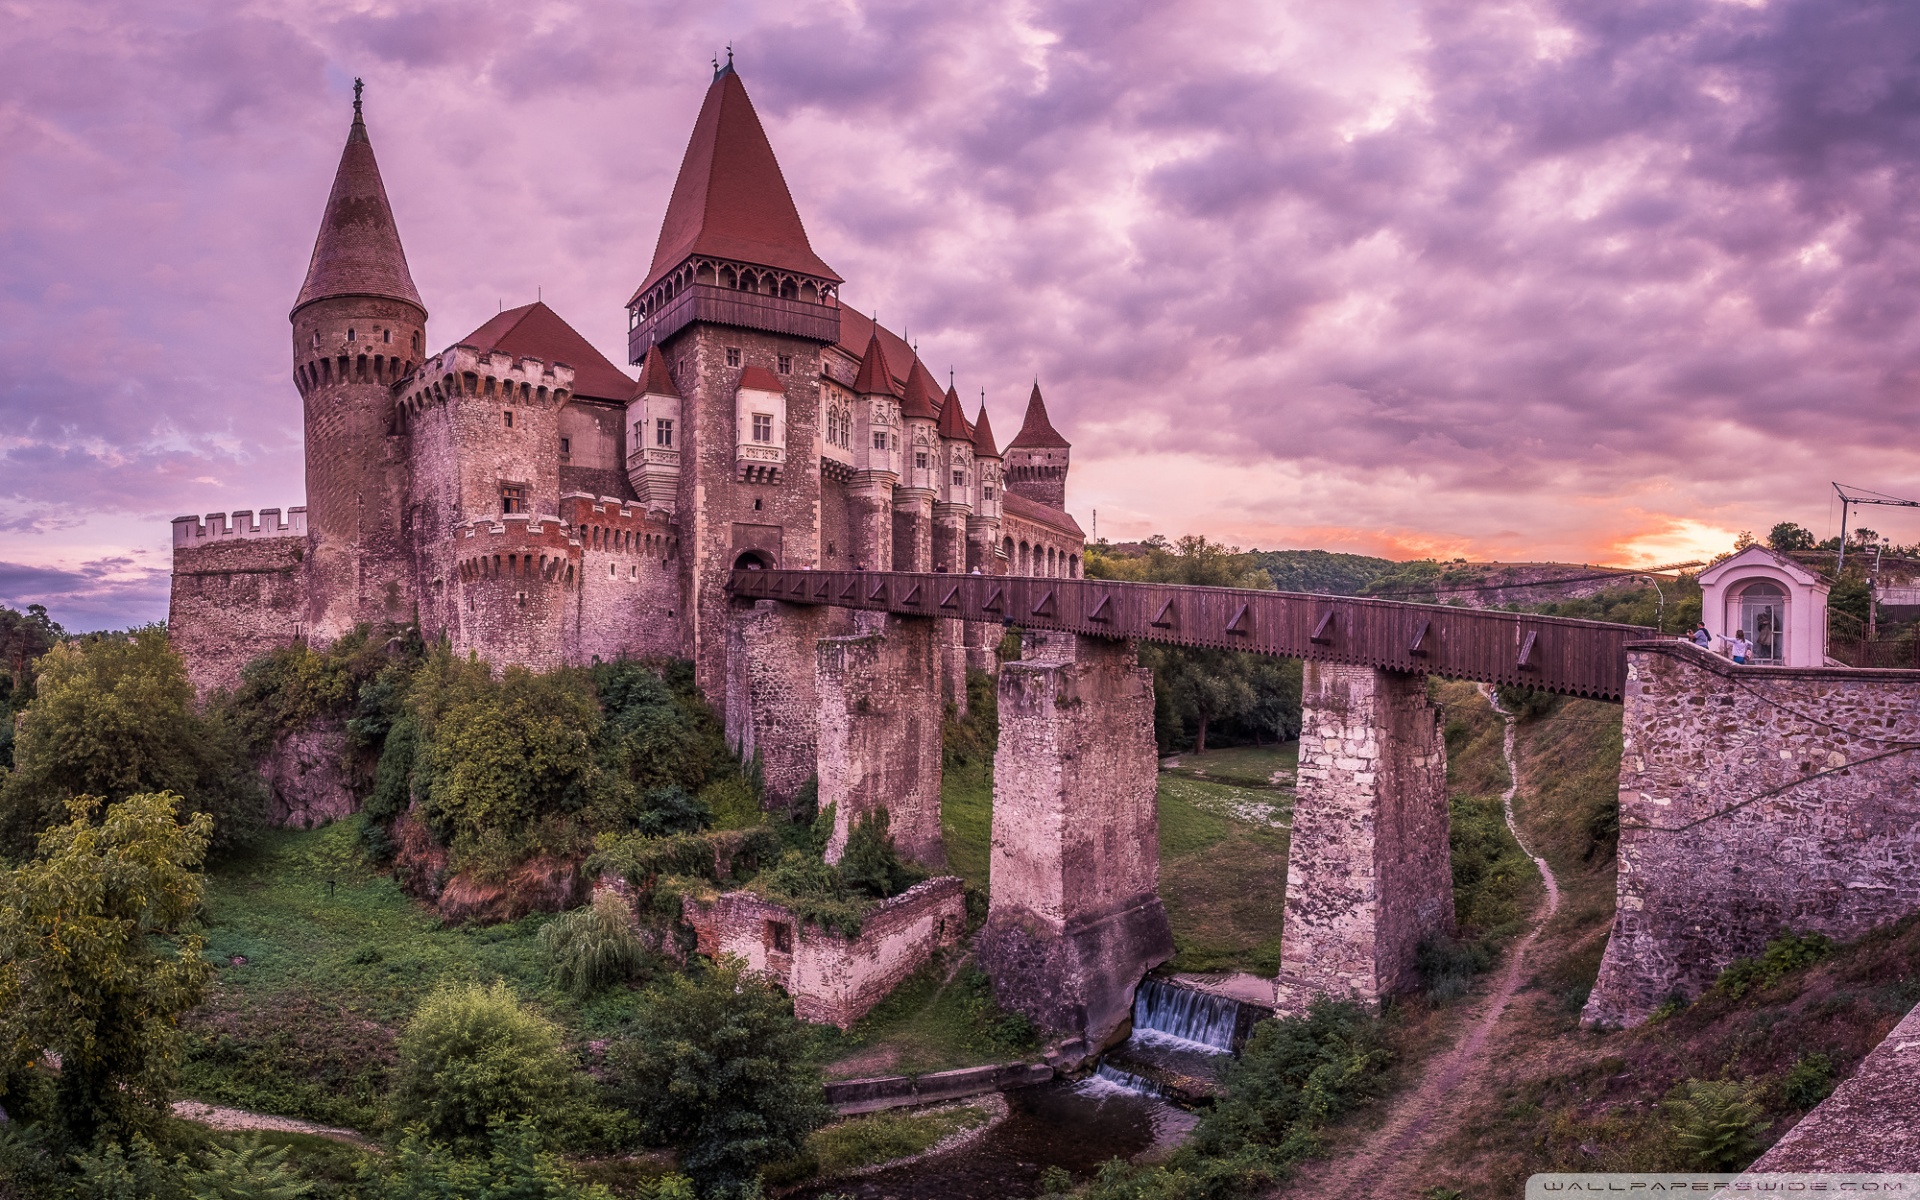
(1600, 281)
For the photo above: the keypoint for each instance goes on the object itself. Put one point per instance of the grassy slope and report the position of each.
(1567, 1099)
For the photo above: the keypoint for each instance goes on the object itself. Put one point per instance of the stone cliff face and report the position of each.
(307, 772)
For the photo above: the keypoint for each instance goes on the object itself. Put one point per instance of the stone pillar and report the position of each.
(1075, 919)
(870, 497)
(878, 698)
(1369, 873)
(950, 555)
(912, 529)
(770, 709)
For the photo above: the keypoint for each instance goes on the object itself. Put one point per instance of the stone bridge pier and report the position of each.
(879, 704)
(770, 708)
(1075, 919)
(1369, 873)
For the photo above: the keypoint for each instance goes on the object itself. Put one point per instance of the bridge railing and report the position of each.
(1557, 654)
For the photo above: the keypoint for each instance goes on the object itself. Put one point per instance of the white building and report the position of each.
(1779, 605)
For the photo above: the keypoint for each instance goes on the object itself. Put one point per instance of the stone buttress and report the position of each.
(1075, 919)
(879, 705)
(1369, 875)
(772, 712)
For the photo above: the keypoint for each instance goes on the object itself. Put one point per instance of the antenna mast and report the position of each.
(1869, 497)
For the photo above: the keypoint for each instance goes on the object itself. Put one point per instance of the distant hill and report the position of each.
(1321, 571)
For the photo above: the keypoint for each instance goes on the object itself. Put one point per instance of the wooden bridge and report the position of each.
(1556, 654)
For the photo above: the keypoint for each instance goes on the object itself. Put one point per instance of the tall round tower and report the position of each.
(1037, 458)
(358, 329)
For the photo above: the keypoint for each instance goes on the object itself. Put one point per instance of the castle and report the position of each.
(523, 498)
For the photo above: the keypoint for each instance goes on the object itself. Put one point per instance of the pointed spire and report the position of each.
(875, 377)
(923, 394)
(1036, 430)
(358, 250)
(983, 433)
(953, 422)
(731, 200)
(655, 379)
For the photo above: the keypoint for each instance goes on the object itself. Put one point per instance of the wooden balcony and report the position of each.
(742, 310)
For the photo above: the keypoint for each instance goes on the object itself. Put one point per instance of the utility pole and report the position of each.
(1871, 497)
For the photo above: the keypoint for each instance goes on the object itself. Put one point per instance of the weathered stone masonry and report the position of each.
(1368, 871)
(237, 591)
(771, 708)
(1754, 799)
(879, 734)
(1075, 918)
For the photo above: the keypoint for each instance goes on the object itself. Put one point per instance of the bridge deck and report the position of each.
(1558, 654)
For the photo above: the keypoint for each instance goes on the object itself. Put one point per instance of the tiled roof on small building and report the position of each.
(536, 331)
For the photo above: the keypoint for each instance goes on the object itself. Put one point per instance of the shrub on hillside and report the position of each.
(114, 717)
(1786, 953)
(870, 864)
(1293, 1076)
(717, 1067)
(473, 1055)
(1807, 1082)
(1716, 1123)
(515, 1167)
(593, 947)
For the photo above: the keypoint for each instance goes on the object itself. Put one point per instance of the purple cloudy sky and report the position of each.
(1603, 281)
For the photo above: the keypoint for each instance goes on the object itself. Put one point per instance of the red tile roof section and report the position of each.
(536, 331)
(1036, 430)
(731, 200)
(953, 422)
(1016, 505)
(876, 377)
(857, 329)
(762, 380)
(655, 379)
(923, 394)
(357, 252)
(983, 436)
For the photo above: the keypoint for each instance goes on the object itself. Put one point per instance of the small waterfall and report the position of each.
(1193, 1019)
(1127, 1080)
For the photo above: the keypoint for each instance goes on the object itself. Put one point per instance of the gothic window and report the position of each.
(513, 498)
(786, 364)
(763, 427)
(879, 439)
(663, 432)
(733, 356)
(350, 335)
(416, 343)
(986, 493)
(959, 478)
(920, 460)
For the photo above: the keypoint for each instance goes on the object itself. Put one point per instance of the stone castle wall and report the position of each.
(771, 709)
(1752, 800)
(834, 980)
(237, 592)
(629, 596)
(879, 714)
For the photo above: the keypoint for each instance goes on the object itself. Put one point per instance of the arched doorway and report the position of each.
(752, 560)
(1762, 611)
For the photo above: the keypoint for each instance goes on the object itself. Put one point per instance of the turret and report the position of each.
(359, 327)
(654, 432)
(1036, 463)
(956, 452)
(987, 467)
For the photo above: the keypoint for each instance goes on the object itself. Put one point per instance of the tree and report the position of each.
(717, 1067)
(593, 947)
(472, 1055)
(114, 717)
(1787, 537)
(94, 966)
(24, 637)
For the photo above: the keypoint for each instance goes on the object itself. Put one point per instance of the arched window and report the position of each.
(1760, 612)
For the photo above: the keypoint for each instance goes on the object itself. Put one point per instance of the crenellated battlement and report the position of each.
(192, 531)
(518, 546)
(466, 371)
(606, 524)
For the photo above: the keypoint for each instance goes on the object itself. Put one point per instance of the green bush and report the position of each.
(717, 1067)
(593, 947)
(1807, 1082)
(1786, 953)
(514, 1168)
(1715, 1123)
(472, 1055)
(1448, 965)
(1292, 1077)
(870, 864)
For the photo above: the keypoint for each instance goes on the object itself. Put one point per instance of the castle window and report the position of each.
(566, 446)
(986, 493)
(763, 427)
(612, 570)
(663, 432)
(416, 343)
(920, 460)
(786, 364)
(513, 498)
(349, 335)
(959, 478)
(509, 418)
(879, 440)
(779, 937)
(386, 336)
(733, 356)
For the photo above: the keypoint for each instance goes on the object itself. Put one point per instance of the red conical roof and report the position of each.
(983, 436)
(875, 377)
(536, 331)
(358, 250)
(923, 394)
(730, 200)
(655, 379)
(1036, 430)
(953, 422)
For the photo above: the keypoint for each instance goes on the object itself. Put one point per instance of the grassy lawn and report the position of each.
(1252, 766)
(966, 820)
(884, 1136)
(1223, 873)
(306, 1027)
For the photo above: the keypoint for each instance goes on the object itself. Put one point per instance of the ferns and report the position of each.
(1715, 1123)
(594, 947)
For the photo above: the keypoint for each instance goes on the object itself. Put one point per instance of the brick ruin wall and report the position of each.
(1752, 800)
(1368, 870)
(238, 591)
(879, 714)
(771, 710)
(832, 979)
(1075, 919)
